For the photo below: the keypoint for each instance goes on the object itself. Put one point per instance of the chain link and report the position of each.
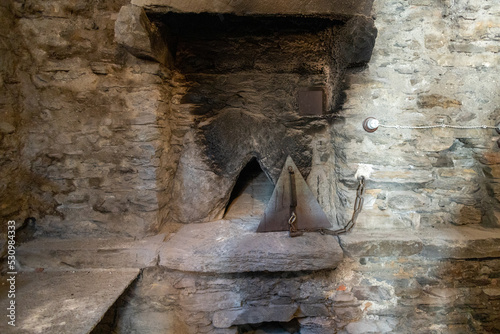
(293, 232)
(358, 206)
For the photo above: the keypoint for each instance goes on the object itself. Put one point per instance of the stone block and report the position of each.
(446, 293)
(233, 330)
(101, 68)
(140, 36)
(407, 201)
(376, 293)
(468, 215)
(407, 288)
(491, 218)
(317, 325)
(209, 301)
(466, 174)
(436, 142)
(492, 293)
(490, 158)
(435, 41)
(6, 127)
(372, 326)
(147, 319)
(400, 176)
(440, 297)
(377, 219)
(359, 34)
(349, 313)
(314, 310)
(493, 171)
(254, 315)
(429, 101)
(460, 242)
(229, 247)
(343, 297)
(380, 243)
(202, 194)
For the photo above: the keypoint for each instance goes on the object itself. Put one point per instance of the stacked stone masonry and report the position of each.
(93, 132)
(101, 141)
(363, 295)
(434, 282)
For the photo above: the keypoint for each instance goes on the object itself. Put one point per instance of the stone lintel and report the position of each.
(338, 9)
(231, 247)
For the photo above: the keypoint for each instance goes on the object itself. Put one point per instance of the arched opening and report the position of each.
(291, 327)
(250, 194)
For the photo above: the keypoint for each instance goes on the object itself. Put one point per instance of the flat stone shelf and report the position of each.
(232, 247)
(455, 242)
(63, 301)
(464, 242)
(70, 254)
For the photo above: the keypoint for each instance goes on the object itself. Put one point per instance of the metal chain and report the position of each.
(293, 232)
(358, 206)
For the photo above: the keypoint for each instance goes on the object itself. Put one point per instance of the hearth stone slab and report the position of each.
(334, 8)
(231, 247)
(63, 301)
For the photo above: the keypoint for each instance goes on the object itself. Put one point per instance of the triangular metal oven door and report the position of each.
(310, 216)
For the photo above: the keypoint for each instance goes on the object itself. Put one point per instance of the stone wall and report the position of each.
(366, 294)
(434, 62)
(89, 120)
(96, 142)
(411, 265)
(16, 180)
(95, 134)
(115, 141)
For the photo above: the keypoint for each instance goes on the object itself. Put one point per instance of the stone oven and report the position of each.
(246, 77)
(252, 85)
(143, 140)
